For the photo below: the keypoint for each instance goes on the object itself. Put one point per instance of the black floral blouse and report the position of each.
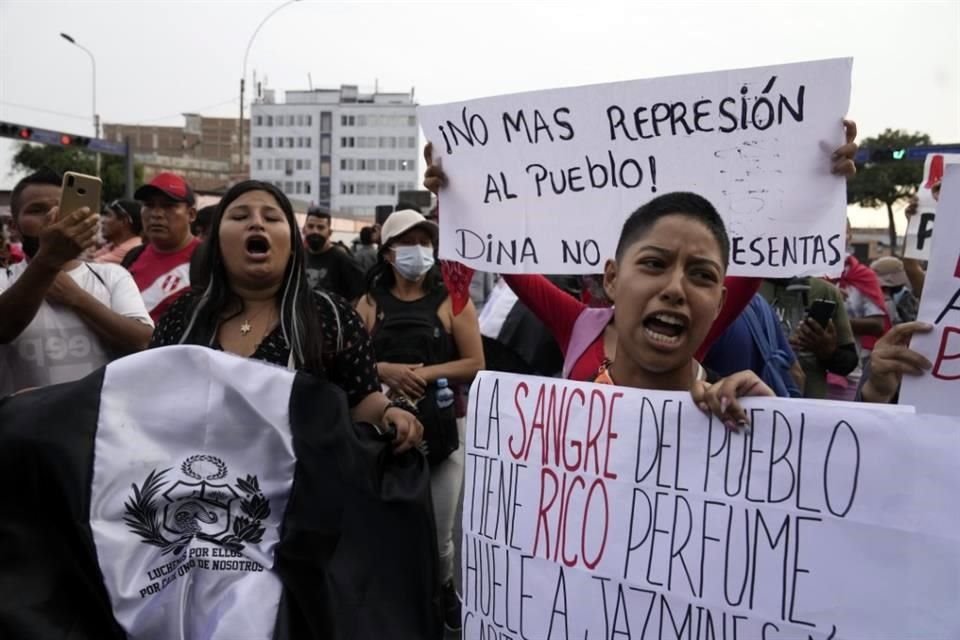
(347, 351)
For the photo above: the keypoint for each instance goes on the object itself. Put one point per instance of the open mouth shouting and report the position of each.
(257, 248)
(665, 328)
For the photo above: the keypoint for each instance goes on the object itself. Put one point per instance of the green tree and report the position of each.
(31, 157)
(886, 183)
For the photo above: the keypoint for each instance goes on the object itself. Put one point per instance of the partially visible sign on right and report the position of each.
(920, 227)
(936, 391)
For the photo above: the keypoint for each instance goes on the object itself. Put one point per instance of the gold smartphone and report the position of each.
(79, 190)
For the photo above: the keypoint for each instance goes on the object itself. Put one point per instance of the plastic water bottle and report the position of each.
(444, 395)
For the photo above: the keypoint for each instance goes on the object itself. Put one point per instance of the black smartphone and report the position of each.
(821, 311)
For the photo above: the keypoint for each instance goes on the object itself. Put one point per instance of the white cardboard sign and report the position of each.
(938, 390)
(601, 512)
(920, 228)
(541, 182)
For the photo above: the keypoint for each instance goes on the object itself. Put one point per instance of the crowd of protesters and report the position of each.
(81, 288)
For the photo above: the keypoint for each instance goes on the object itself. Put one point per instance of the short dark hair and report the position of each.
(129, 208)
(43, 176)
(680, 203)
(366, 235)
(317, 212)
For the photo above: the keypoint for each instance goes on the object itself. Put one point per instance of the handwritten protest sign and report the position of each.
(940, 306)
(598, 512)
(541, 182)
(920, 228)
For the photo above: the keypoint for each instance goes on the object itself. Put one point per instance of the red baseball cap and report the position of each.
(170, 185)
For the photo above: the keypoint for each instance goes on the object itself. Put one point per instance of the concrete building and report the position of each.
(340, 149)
(870, 243)
(205, 151)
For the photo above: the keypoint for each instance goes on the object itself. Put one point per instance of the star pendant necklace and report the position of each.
(246, 327)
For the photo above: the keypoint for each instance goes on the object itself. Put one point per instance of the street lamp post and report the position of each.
(93, 63)
(243, 76)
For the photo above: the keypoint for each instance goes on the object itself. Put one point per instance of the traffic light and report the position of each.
(887, 155)
(11, 130)
(68, 140)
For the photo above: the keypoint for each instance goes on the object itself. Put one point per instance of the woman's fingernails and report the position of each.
(724, 403)
(730, 425)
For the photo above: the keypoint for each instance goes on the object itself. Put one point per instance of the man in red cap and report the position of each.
(162, 270)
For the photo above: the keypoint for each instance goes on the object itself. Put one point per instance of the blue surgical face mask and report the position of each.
(413, 261)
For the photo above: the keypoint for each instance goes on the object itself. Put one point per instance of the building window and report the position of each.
(306, 187)
(392, 164)
(306, 164)
(280, 142)
(300, 120)
(269, 121)
(411, 121)
(325, 169)
(382, 189)
(269, 143)
(405, 165)
(326, 122)
(258, 120)
(259, 164)
(257, 142)
(309, 120)
(290, 142)
(324, 145)
(361, 121)
(393, 190)
(347, 142)
(309, 142)
(299, 163)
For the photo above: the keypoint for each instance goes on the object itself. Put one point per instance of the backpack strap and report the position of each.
(132, 256)
(588, 326)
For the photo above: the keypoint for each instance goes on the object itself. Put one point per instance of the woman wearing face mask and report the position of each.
(418, 341)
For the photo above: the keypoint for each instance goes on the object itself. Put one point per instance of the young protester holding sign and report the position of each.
(588, 336)
(668, 276)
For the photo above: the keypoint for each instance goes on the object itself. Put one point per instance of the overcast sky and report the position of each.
(156, 60)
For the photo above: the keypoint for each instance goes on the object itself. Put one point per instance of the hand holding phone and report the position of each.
(821, 311)
(72, 227)
(79, 190)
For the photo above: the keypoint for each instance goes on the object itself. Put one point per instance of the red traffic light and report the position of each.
(25, 132)
(66, 140)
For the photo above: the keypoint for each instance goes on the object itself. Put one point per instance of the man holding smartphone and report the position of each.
(60, 318)
(820, 348)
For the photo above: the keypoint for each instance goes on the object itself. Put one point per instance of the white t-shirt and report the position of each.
(58, 346)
